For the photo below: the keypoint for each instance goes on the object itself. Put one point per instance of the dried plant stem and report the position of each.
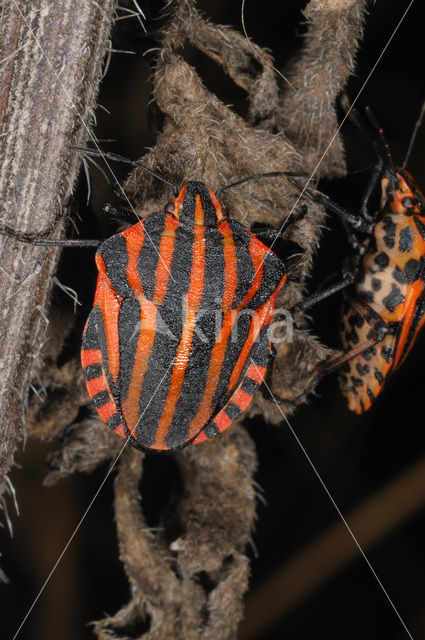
(51, 56)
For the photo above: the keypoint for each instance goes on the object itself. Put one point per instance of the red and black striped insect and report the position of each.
(177, 342)
(384, 308)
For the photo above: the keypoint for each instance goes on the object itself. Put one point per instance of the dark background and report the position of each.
(355, 456)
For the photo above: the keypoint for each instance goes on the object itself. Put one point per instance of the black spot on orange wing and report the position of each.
(371, 334)
(387, 354)
(379, 377)
(352, 337)
(362, 370)
(390, 229)
(370, 395)
(352, 320)
(393, 299)
(405, 242)
(414, 268)
(382, 260)
(399, 275)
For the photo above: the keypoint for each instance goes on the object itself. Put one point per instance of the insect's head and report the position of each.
(197, 205)
(398, 188)
(402, 193)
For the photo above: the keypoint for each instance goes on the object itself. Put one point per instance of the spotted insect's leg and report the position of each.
(323, 294)
(329, 366)
(373, 181)
(349, 275)
(355, 221)
(237, 404)
(371, 332)
(335, 363)
(269, 233)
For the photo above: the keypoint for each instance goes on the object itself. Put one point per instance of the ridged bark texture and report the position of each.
(51, 57)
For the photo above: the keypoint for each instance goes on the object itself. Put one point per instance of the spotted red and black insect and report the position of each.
(177, 342)
(384, 307)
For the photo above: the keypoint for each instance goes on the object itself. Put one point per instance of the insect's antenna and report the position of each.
(256, 176)
(383, 139)
(355, 118)
(134, 163)
(416, 128)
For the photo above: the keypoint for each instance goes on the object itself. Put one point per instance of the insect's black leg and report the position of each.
(45, 242)
(345, 282)
(121, 213)
(293, 218)
(376, 174)
(269, 233)
(255, 176)
(353, 239)
(331, 365)
(355, 221)
(349, 275)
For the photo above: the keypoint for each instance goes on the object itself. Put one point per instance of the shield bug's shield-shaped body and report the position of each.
(177, 341)
(387, 301)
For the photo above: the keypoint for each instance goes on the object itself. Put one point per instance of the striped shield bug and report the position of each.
(177, 342)
(384, 280)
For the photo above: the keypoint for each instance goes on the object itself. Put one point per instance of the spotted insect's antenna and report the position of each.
(256, 176)
(416, 128)
(134, 163)
(354, 116)
(383, 138)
